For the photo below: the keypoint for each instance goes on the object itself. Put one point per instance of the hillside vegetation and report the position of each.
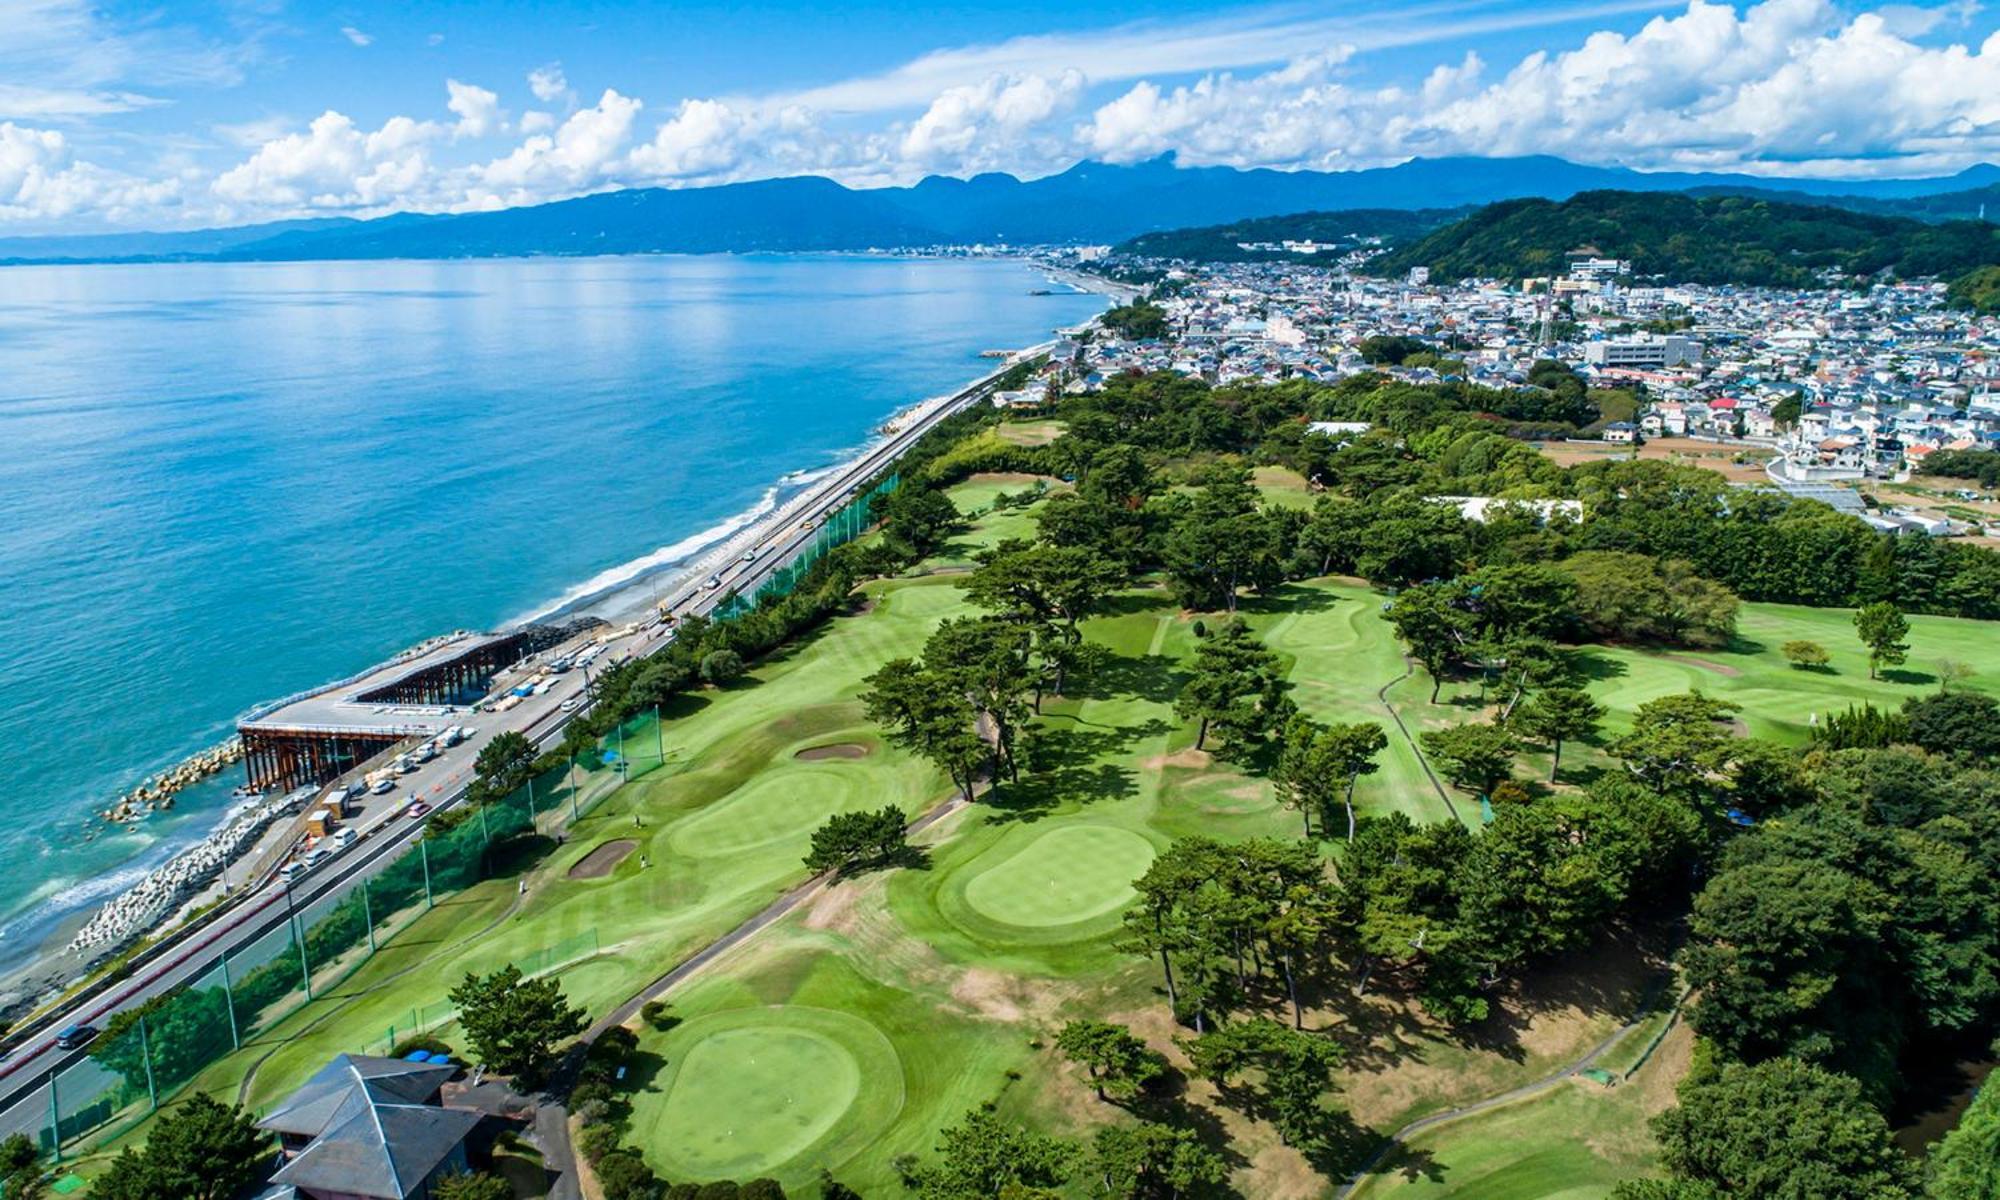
(1343, 230)
(1695, 239)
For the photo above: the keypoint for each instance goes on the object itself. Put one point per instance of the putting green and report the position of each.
(747, 1091)
(784, 803)
(1063, 877)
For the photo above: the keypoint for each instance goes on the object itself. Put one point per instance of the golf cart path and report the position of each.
(1397, 1139)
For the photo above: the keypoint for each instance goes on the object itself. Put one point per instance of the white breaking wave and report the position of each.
(613, 579)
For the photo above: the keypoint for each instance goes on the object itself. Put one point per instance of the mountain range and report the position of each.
(1089, 203)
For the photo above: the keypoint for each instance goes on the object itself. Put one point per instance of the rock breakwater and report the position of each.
(158, 791)
(128, 917)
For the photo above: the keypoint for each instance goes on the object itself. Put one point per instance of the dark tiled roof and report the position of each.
(374, 1134)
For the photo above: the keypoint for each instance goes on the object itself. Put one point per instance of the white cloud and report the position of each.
(478, 110)
(964, 121)
(534, 121)
(40, 180)
(547, 83)
(356, 36)
(1768, 89)
(333, 165)
(582, 154)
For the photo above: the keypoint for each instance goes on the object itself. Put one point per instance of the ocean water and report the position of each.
(221, 483)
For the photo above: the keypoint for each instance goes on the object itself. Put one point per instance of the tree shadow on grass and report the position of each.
(1411, 1164)
(1907, 678)
(1287, 598)
(1595, 666)
(1147, 677)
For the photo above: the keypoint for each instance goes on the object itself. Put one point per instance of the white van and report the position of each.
(342, 839)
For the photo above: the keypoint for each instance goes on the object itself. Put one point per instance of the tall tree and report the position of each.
(1882, 628)
(1153, 1161)
(1235, 687)
(1782, 1130)
(1436, 631)
(1557, 715)
(513, 1023)
(984, 1157)
(1296, 1070)
(1966, 1164)
(1474, 756)
(923, 714)
(1677, 741)
(1119, 1062)
(986, 660)
(199, 1149)
(853, 841)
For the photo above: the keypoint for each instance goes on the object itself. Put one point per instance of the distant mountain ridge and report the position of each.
(1089, 203)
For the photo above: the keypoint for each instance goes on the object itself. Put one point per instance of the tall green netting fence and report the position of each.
(840, 527)
(428, 1018)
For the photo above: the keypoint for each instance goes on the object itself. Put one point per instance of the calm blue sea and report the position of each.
(223, 483)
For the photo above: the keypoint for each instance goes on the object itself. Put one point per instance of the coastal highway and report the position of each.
(776, 540)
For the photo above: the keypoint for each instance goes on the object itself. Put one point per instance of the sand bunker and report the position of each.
(837, 750)
(599, 862)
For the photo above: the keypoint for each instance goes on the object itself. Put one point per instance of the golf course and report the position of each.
(878, 1009)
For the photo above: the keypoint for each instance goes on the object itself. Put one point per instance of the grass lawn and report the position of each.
(1575, 1141)
(1030, 433)
(1283, 487)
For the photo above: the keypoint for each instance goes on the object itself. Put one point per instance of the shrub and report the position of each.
(625, 1176)
(1806, 655)
(596, 1141)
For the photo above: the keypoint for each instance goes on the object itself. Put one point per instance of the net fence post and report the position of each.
(229, 1001)
(424, 852)
(368, 916)
(146, 1057)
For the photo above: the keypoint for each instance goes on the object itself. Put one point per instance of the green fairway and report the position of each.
(1069, 874)
(783, 805)
(746, 1092)
(1779, 700)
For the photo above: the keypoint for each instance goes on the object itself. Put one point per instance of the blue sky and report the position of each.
(129, 115)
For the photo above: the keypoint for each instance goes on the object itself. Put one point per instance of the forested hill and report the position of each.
(1242, 241)
(1717, 239)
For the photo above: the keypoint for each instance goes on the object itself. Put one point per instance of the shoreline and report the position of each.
(189, 874)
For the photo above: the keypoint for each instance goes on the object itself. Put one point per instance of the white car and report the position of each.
(383, 786)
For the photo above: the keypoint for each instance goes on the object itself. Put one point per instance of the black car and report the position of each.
(76, 1037)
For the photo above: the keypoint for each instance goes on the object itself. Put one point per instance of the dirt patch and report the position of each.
(835, 909)
(1189, 759)
(599, 862)
(835, 750)
(1722, 669)
(999, 996)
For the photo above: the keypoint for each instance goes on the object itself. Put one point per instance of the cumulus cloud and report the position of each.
(477, 109)
(582, 154)
(1778, 87)
(41, 179)
(333, 165)
(547, 83)
(990, 115)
